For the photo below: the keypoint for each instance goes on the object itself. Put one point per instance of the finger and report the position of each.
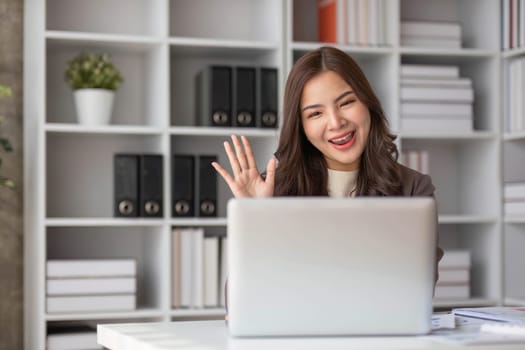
(239, 150)
(252, 164)
(225, 175)
(234, 163)
(270, 172)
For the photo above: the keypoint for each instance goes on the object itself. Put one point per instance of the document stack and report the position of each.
(416, 159)
(435, 98)
(91, 285)
(431, 34)
(454, 275)
(515, 113)
(195, 269)
(514, 196)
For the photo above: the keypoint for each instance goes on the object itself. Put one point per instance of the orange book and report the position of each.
(327, 20)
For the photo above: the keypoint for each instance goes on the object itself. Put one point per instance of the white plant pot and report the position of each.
(94, 106)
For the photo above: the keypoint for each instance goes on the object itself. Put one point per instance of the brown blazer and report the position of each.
(417, 184)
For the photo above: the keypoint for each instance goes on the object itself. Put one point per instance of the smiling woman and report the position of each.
(335, 140)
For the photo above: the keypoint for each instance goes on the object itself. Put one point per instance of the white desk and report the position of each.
(213, 335)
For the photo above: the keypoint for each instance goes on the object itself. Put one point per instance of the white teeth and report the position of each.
(343, 139)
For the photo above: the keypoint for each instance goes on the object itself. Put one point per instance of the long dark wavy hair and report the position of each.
(302, 169)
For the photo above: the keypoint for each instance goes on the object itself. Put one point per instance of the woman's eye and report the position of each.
(314, 114)
(347, 102)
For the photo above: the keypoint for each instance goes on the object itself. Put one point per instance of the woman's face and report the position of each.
(335, 121)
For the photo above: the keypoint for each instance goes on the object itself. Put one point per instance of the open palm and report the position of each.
(246, 181)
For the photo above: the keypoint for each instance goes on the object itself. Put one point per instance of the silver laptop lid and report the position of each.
(325, 266)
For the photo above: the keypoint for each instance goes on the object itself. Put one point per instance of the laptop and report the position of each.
(319, 266)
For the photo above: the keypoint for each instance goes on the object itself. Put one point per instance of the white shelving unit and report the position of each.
(160, 45)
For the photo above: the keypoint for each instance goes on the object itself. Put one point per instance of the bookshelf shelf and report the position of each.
(472, 302)
(198, 222)
(514, 136)
(457, 53)
(514, 220)
(514, 302)
(467, 219)
(507, 54)
(216, 312)
(223, 132)
(109, 129)
(100, 38)
(138, 314)
(102, 222)
(453, 136)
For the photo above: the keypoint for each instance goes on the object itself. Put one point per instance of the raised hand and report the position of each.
(246, 180)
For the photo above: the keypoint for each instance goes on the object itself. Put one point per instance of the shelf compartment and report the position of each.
(186, 67)
(80, 171)
(482, 240)
(247, 20)
(98, 16)
(190, 145)
(480, 20)
(139, 101)
(483, 71)
(144, 244)
(472, 163)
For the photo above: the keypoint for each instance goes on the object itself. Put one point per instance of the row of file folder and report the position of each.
(139, 190)
(237, 96)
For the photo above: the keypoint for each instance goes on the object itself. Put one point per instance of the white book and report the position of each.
(452, 291)
(342, 22)
(514, 208)
(186, 267)
(514, 190)
(437, 94)
(373, 26)
(93, 303)
(455, 259)
(91, 268)
(429, 71)
(424, 162)
(74, 340)
(506, 25)
(448, 43)
(455, 125)
(429, 82)
(362, 32)
(351, 22)
(431, 29)
(211, 271)
(198, 268)
(91, 286)
(176, 267)
(436, 110)
(514, 29)
(223, 271)
(453, 276)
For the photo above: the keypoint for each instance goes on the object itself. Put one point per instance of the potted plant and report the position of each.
(5, 145)
(94, 80)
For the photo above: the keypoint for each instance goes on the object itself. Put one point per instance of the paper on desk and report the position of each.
(443, 321)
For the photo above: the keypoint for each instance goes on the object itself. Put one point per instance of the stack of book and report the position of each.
(196, 274)
(91, 285)
(78, 337)
(515, 80)
(416, 159)
(454, 275)
(354, 22)
(435, 98)
(514, 199)
(431, 34)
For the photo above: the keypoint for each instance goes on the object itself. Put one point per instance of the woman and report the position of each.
(335, 140)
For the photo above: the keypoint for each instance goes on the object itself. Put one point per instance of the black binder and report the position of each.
(244, 87)
(151, 186)
(214, 96)
(183, 188)
(207, 203)
(268, 96)
(126, 185)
